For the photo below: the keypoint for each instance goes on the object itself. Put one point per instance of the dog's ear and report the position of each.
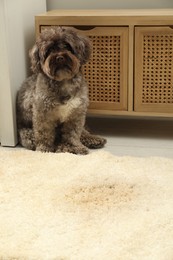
(35, 59)
(84, 48)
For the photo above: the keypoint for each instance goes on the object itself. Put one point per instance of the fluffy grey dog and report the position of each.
(52, 103)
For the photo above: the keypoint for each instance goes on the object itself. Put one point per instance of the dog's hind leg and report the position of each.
(26, 138)
(92, 141)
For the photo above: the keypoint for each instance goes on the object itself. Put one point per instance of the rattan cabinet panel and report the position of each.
(154, 69)
(106, 72)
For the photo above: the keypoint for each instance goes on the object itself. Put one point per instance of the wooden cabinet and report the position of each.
(131, 68)
(154, 69)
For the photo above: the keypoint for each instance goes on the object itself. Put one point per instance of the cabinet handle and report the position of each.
(84, 28)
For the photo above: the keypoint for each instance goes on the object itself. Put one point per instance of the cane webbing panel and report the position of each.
(104, 72)
(156, 69)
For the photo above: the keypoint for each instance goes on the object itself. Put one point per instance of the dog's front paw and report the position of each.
(44, 149)
(93, 141)
(69, 148)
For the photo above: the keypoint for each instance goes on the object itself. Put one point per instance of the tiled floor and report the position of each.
(134, 136)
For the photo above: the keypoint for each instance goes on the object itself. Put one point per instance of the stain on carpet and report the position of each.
(101, 195)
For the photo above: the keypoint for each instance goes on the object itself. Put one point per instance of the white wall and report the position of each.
(17, 36)
(101, 4)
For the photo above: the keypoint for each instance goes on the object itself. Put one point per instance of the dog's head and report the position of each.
(60, 52)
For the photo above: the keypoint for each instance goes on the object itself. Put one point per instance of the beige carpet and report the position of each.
(98, 206)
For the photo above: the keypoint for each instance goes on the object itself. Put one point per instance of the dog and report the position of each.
(52, 103)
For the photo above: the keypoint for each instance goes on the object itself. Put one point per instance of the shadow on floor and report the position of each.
(131, 127)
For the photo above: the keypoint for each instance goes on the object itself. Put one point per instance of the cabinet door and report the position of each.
(153, 69)
(106, 72)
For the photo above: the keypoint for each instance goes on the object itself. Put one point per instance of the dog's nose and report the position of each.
(60, 59)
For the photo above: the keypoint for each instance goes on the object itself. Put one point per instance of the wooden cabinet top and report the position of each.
(107, 17)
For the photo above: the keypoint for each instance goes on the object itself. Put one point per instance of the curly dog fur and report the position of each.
(52, 103)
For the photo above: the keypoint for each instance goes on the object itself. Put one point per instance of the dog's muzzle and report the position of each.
(61, 62)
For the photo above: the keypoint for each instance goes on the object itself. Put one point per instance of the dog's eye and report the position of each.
(69, 48)
(47, 53)
(50, 50)
(58, 47)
